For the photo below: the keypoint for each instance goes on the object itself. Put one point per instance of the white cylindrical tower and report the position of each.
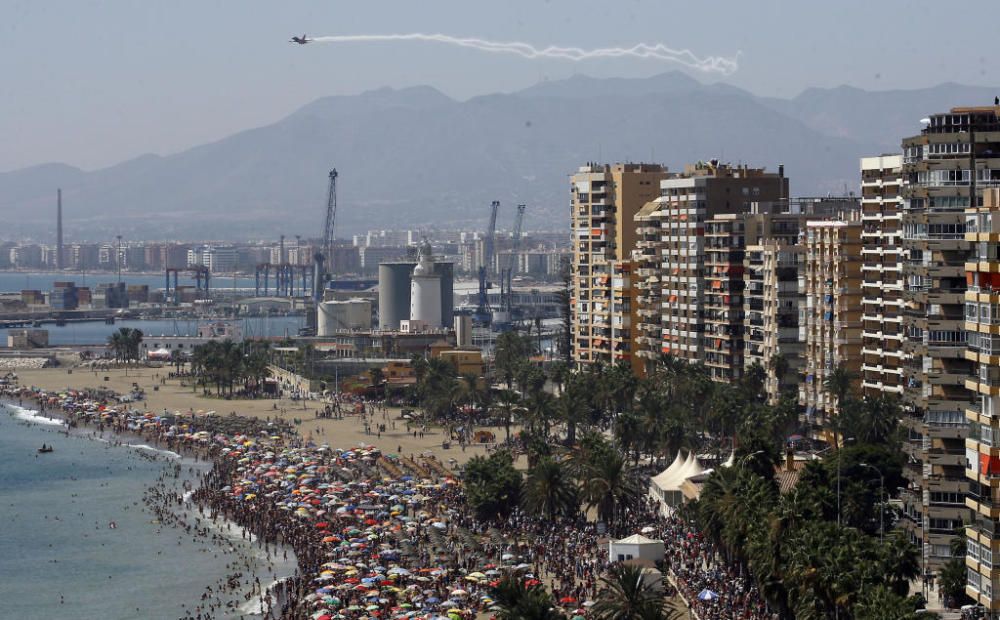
(425, 290)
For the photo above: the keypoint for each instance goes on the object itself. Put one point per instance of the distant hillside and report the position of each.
(416, 157)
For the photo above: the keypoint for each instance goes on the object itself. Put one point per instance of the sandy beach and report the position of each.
(567, 561)
(172, 396)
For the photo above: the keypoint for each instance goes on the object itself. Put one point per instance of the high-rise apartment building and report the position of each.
(830, 321)
(882, 254)
(605, 200)
(941, 168)
(725, 249)
(623, 315)
(982, 323)
(771, 304)
(690, 272)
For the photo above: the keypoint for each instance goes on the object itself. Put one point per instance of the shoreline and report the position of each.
(272, 521)
(189, 471)
(384, 508)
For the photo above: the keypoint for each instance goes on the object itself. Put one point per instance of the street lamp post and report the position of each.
(839, 459)
(881, 495)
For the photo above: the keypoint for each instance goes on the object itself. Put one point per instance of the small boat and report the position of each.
(45, 449)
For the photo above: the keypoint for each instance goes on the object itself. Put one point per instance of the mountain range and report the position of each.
(414, 157)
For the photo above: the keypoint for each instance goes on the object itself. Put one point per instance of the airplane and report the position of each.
(300, 40)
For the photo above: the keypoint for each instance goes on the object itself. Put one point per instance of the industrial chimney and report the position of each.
(60, 260)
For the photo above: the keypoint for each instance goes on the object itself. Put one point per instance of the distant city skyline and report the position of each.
(94, 84)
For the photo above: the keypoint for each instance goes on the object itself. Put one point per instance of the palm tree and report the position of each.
(900, 561)
(549, 490)
(880, 419)
(779, 366)
(558, 372)
(117, 345)
(134, 341)
(177, 359)
(506, 401)
(419, 364)
(517, 601)
(951, 581)
(125, 344)
(378, 378)
(838, 384)
(255, 368)
(510, 352)
(610, 485)
(881, 603)
(626, 595)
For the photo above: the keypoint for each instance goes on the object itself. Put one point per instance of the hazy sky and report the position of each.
(91, 82)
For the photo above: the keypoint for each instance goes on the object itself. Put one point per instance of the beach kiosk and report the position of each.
(635, 547)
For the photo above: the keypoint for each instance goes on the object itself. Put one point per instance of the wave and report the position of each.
(255, 606)
(34, 416)
(142, 446)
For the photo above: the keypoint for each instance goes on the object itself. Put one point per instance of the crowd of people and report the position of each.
(376, 534)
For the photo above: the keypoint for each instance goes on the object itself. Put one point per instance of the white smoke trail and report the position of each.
(658, 51)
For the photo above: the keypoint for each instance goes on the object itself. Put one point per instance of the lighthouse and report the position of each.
(425, 289)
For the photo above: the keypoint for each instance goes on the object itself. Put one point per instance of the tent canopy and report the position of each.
(660, 479)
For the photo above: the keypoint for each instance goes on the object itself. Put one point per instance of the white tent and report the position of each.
(691, 468)
(635, 546)
(731, 460)
(657, 482)
(665, 487)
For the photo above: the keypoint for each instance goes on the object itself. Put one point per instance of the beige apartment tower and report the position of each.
(605, 200)
(982, 324)
(882, 256)
(689, 274)
(771, 302)
(830, 322)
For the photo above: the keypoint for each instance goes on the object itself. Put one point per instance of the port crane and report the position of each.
(483, 310)
(324, 259)
(507, 273)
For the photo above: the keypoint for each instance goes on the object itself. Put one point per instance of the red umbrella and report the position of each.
(322, 525)
(567, 599)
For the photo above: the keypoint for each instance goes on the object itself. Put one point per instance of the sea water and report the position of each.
(59, 555)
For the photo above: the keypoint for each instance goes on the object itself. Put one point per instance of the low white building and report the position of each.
(206, 333)
(636, 547)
